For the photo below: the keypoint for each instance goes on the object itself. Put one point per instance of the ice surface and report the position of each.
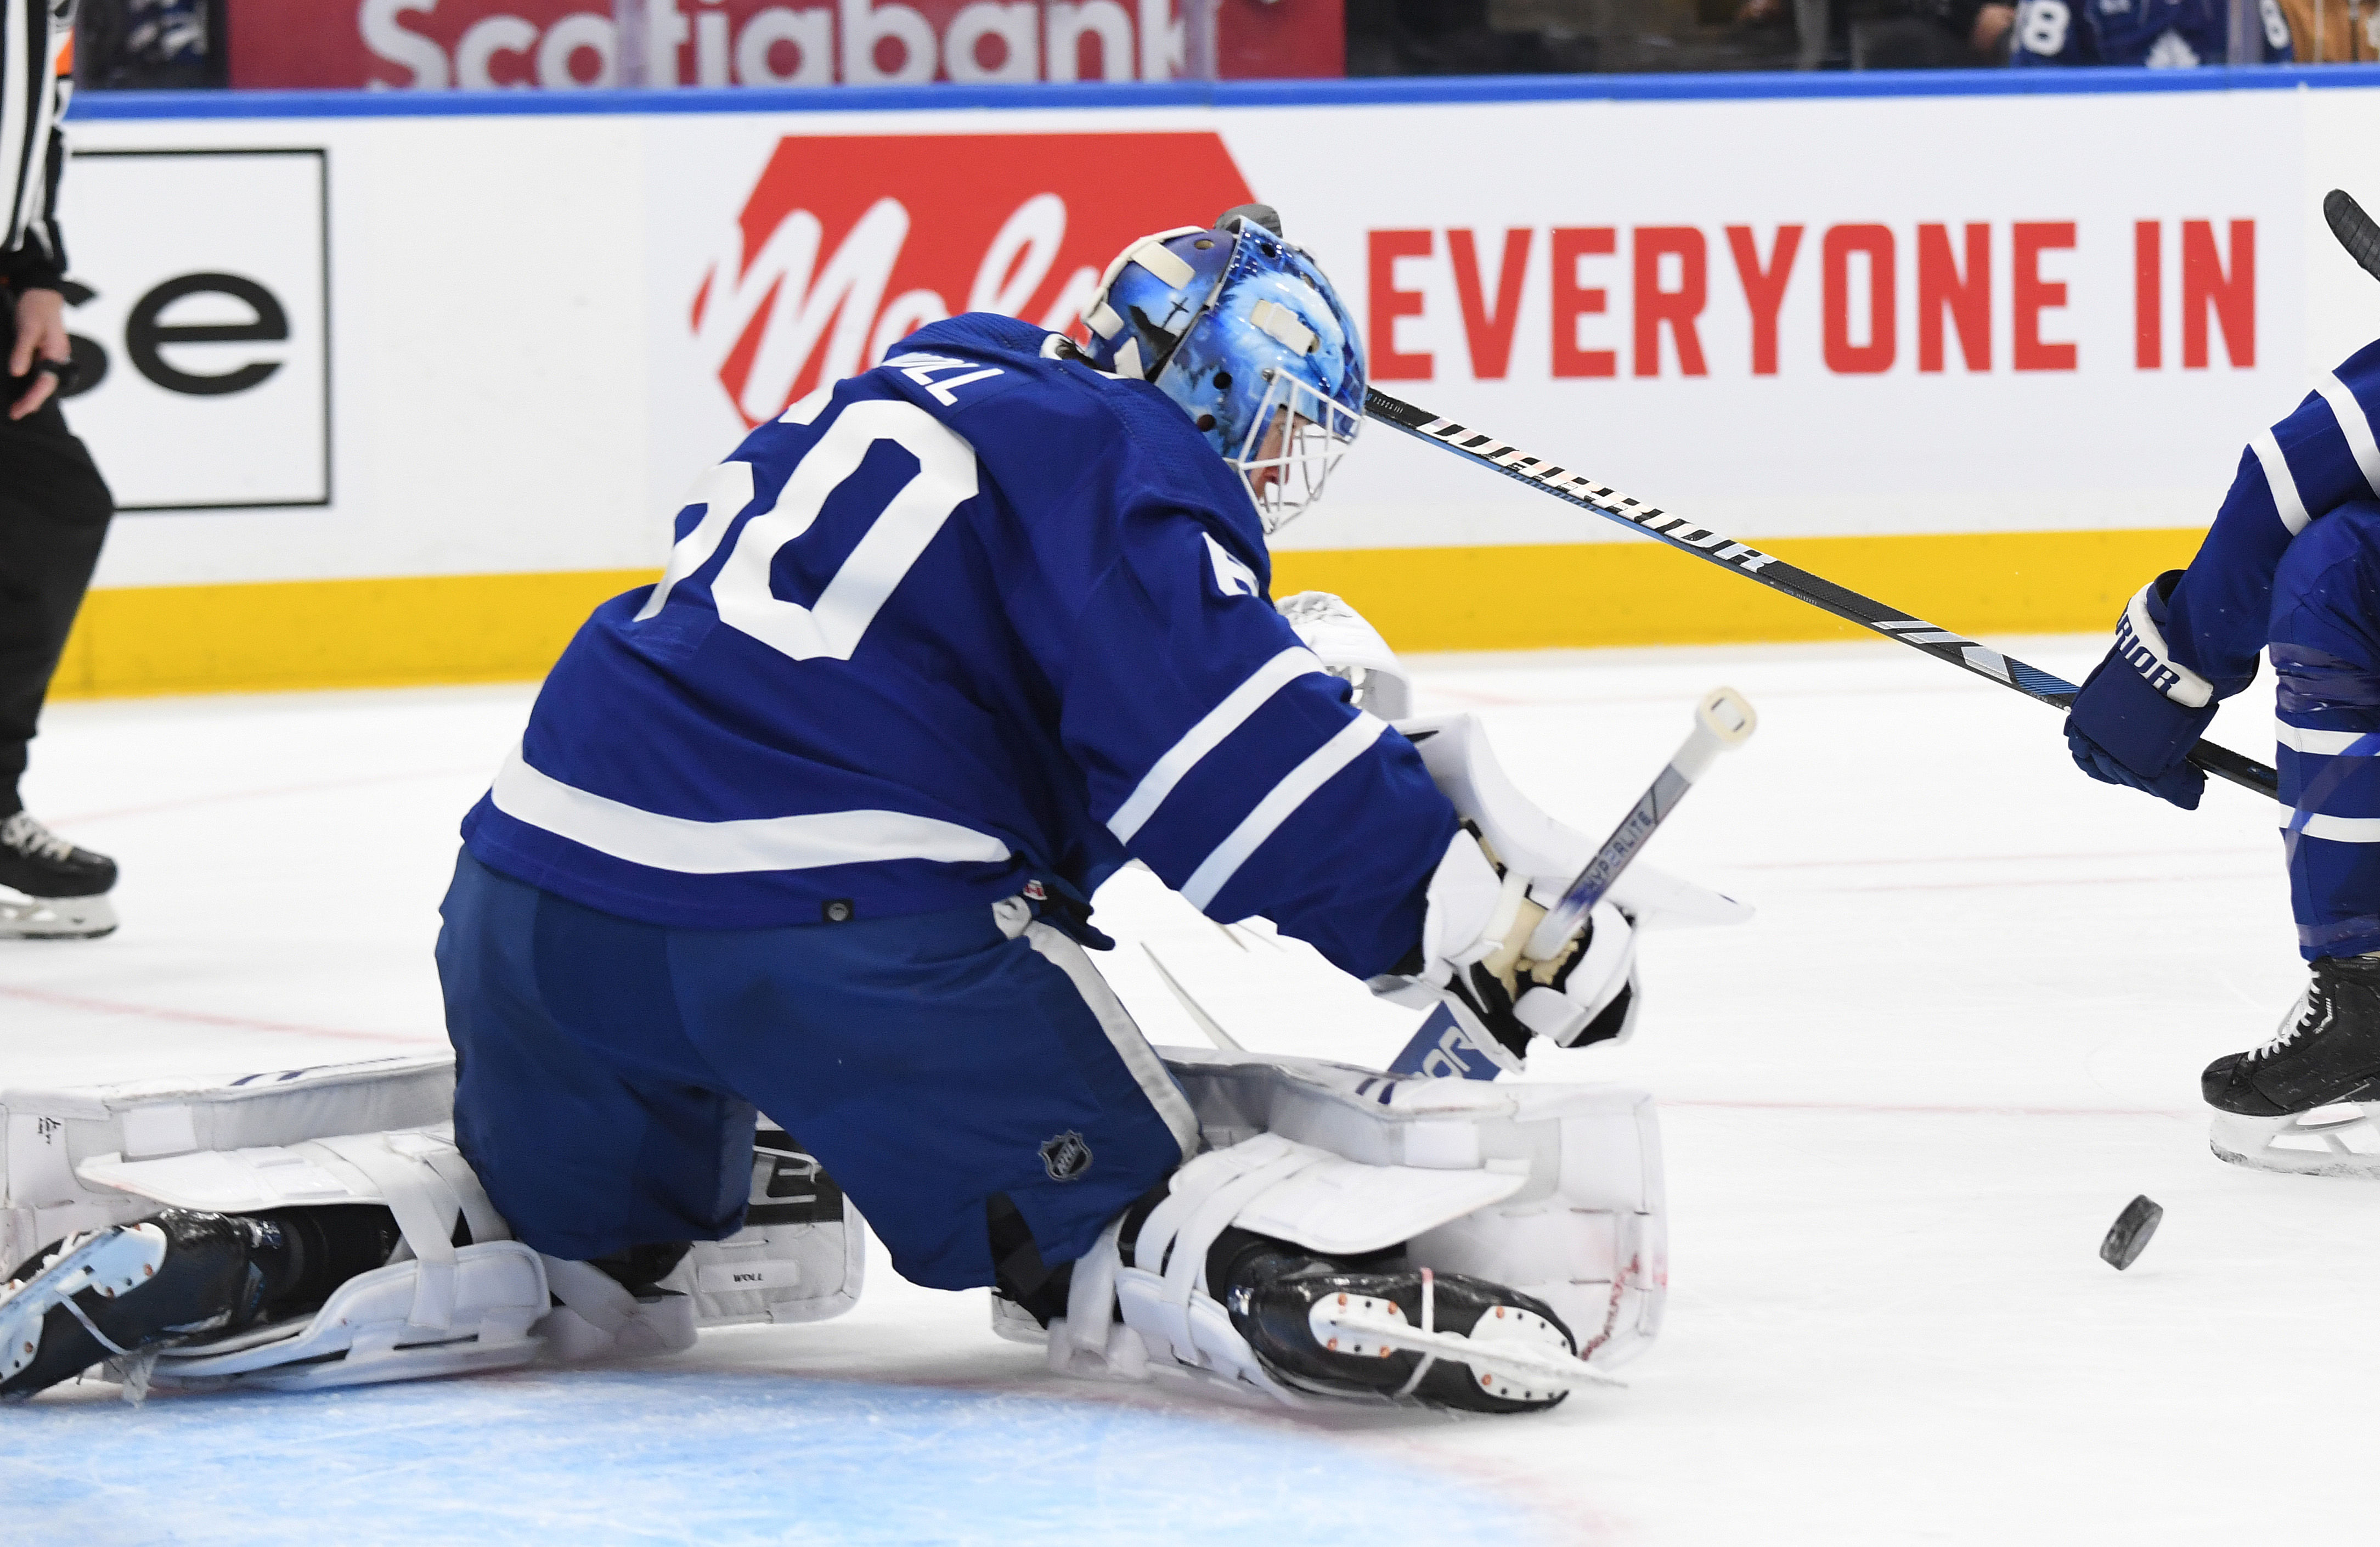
(1901, 1107)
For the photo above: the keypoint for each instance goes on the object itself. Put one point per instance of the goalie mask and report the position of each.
(1241, 329)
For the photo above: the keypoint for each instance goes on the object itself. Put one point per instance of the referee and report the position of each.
(54, 506)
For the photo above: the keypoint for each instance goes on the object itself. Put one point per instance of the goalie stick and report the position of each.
(1715, 547)
(1722, 720)
(1442, 1043)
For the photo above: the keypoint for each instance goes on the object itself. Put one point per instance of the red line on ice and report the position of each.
(201, 1017)
(1923, 1111)
(222, 796)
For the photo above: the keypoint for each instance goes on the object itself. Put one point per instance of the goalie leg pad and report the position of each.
(1220, 1288)
(440, 1308)
(1585, 1229)
(1543, 1199)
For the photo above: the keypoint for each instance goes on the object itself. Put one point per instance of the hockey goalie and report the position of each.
(808, 829)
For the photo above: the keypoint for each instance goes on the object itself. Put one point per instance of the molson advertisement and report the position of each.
(1955, 351)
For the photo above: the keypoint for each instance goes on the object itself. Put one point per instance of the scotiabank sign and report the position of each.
(1670, 280)
(560, 44)
(845, 246)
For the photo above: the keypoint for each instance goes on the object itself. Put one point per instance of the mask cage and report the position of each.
(1320, 431)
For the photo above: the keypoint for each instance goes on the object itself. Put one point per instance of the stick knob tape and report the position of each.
(1723, 719)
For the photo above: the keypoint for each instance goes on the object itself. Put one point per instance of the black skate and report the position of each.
(115, 1292)
(1381, 1328)
(65, 888)
(2307, 1101)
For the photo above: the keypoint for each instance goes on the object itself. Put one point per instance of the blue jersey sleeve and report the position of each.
(2321, 457)
(1213, 745)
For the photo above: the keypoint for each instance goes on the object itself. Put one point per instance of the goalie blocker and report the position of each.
(1422, 1240)
(1504, 870)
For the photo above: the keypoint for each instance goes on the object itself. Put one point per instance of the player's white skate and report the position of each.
(26, 918)
(2308, 1101)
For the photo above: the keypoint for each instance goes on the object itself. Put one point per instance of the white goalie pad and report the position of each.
(1585, 1229)
(436, 1308)
(800, 1257)
(1554, 1190)
(48, 1133)
(377, 1133)
(1463, 766)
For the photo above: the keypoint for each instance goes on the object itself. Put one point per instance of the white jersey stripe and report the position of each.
(16, 110)
(2278, 477)
(1148, 1070)
(691, 847)
(1217, 870)
(1208, 734)
(2353, 424)
(33, 184)
(2324, 743)
(2340, 830)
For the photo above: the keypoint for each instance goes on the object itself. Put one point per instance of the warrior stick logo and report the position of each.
(847, 244)
(1676, 529)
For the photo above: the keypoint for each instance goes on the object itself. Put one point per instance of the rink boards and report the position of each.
(397, 387)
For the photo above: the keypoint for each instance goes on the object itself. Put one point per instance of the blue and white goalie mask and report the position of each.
(1240, 328)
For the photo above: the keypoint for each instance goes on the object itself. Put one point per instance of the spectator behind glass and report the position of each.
(1891, 34)
(2162, 34)
(150, 45)
(2334, 31)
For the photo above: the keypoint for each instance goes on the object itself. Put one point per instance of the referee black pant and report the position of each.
(53, 514)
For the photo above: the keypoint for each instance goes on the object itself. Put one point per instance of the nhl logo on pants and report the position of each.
(1065, 1157)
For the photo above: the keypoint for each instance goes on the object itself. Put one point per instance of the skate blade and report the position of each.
(23, 918)
(113, 1262)
(1512, 1353)
(2340, 1140)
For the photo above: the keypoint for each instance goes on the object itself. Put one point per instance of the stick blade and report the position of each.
(2355, 230)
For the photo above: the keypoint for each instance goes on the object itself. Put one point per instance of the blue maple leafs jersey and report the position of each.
(971, 618)
(2158, 33)
(2321, 457)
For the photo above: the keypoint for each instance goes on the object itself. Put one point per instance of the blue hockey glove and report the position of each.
(2140, 711)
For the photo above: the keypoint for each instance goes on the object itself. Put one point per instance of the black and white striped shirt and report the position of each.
(36, 79)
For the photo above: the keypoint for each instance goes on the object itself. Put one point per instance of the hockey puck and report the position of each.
(2128, 1237)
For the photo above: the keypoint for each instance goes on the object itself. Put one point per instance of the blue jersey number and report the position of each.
(831, 628)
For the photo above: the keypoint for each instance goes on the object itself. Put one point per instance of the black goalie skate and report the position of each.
(64, 888)
(2307, 1101)
(1379, 1327)
(115, 1292)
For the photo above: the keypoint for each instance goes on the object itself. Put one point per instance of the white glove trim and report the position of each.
(2141, 644)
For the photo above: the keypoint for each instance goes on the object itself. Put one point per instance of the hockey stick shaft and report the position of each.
(1715, 547)
(1722, 720)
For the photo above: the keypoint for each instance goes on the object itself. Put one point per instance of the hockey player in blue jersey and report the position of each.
(2291, 565)
(2161, 34)
(809, 828)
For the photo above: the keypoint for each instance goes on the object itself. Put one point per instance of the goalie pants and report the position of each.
(608, 1073)
(2325, 650)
